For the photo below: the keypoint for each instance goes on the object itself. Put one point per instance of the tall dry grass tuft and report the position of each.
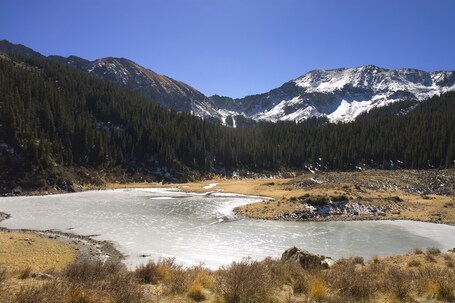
(196, 292)
(201, 280)
(317, 290)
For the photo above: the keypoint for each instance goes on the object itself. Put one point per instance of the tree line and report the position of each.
(51, 114)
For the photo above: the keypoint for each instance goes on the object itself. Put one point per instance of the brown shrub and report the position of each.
(51, 292)
(430, 258)
(166, 271)
(433, 251)
(414, 263)
(418, 251)
(352, 283)
(398, 283)
(81, 294)
(288, 273)
(245, 281)
(435, 283)
(98, 281)
(358, 260)
(148, 273)
(122, 287)
(91, 270)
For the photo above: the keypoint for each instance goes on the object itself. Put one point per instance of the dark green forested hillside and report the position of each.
(53, 116)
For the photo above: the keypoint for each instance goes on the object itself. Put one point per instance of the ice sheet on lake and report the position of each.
(196, 228)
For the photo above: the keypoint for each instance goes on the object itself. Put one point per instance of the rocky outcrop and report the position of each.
(3, 216)
(306, 259)
(339, 209)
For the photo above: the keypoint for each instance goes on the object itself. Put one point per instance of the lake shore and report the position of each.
(427, 196)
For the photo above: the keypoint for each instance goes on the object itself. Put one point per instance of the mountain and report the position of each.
(59, 125)
(160, 89)
(339, 94)
(18, 50)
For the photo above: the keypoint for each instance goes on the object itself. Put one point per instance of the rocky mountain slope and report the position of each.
(160, 89)
(163, 90)
(339, 94)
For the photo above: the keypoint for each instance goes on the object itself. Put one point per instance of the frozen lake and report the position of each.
(197, 228)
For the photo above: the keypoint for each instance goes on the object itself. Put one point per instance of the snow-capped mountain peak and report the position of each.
(343, 94)
(338, 94)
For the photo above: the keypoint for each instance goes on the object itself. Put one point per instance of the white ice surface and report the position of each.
(202, 228)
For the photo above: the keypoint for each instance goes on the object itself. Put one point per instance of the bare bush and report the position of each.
(51, 292)
(91, 270)
(245, 281)
(433, 251)
(352, 283)
(418, 251)
(414, 263)
(148, 273)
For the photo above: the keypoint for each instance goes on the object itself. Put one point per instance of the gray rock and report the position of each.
(306, 259)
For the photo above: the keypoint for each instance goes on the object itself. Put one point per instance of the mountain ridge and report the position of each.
(342, 94)
(339, 94)
(57, 121)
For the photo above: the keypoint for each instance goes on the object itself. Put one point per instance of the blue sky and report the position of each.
(239, 47)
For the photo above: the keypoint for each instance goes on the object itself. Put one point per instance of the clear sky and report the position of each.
(239, 47)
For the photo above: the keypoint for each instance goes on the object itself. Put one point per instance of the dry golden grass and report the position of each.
(19, 251)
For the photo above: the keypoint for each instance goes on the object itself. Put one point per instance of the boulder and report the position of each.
(306, 259)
